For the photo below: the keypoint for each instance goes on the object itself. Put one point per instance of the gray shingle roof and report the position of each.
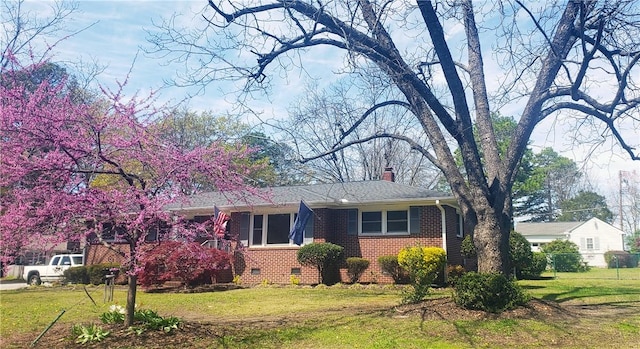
(318, 195)
(551, 228)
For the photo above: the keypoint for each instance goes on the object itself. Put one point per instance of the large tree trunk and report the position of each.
(491, 239)
(133, 283)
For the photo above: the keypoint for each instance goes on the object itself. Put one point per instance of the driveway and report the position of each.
(12, 285)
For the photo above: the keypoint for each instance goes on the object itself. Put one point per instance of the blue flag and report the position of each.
(297, 232)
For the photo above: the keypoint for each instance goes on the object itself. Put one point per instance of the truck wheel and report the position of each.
(34, 280)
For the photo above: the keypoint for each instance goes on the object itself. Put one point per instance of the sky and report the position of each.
(116, 36)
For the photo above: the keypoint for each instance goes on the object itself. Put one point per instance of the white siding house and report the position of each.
(594, 237)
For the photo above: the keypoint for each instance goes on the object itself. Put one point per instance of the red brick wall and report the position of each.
(258, 264)
(97, 254)
(331, 226)
(453, 241)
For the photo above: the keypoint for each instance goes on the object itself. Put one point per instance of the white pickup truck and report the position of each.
(36, 274)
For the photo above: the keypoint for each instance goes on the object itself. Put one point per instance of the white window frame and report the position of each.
(265, 226)
(384, 212)
(589, 241)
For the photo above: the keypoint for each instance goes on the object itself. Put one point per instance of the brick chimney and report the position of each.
(388, 174)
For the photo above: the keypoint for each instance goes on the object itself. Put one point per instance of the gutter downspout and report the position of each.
(444, 234)
(444, 225)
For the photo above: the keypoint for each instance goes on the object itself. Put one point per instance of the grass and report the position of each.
(585, 288)
(287, 317)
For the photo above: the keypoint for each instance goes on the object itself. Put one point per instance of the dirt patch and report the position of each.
(445, 309)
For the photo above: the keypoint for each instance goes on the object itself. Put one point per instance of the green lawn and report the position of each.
(356, 317)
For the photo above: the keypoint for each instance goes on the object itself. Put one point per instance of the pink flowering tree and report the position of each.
(68, 168)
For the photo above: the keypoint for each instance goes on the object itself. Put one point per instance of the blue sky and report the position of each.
(117, 33)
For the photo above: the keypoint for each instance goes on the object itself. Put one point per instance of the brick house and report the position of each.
(368, 218)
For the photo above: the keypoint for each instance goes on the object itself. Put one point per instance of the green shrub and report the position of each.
(490, 292)
(423, 265)
(76, 275)
(325, 257)
(564, 256)
(355, 268)
(519, 253)
(538, 265)
(621, 259)
(389, 265)
(97, 272)
(454, 273)
(467, 249)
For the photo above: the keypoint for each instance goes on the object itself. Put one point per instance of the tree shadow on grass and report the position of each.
(589, 292)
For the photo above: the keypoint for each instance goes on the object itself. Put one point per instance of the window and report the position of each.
(278, 228)
(459, 225)
(371, 222)
(397, 222)
(273, 229)
(381, 222)
(589, 243)
(77, 260)
(65, 260)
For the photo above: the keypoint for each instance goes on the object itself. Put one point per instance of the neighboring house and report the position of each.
(594, 237)
(368, 218)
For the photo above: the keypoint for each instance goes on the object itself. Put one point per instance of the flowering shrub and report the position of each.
(423, 265)
(188, 262)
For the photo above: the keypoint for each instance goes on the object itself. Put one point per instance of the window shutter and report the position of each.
(596, 243)
(244, 228)
(414, 219)
(583, 244)
(352, 221)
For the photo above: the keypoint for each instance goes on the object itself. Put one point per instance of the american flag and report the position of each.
(219, 222)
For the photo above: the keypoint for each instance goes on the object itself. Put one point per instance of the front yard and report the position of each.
(566, 312)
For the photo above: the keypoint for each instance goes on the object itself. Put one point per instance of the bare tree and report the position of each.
(340, 114)
(21, 29)
(628, 200)
(575, 58)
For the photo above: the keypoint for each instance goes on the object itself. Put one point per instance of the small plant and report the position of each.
(89, 334)
(294, 280)
(355, 268)
(490, 292)
(150, 320)
(237, 280)
(467, 248)
(265, 282)
(115, 315)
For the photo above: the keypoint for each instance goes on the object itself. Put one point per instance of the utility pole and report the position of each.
(621, 210)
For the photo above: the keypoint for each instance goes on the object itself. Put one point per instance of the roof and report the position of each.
(318, 195)
(559, 229)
